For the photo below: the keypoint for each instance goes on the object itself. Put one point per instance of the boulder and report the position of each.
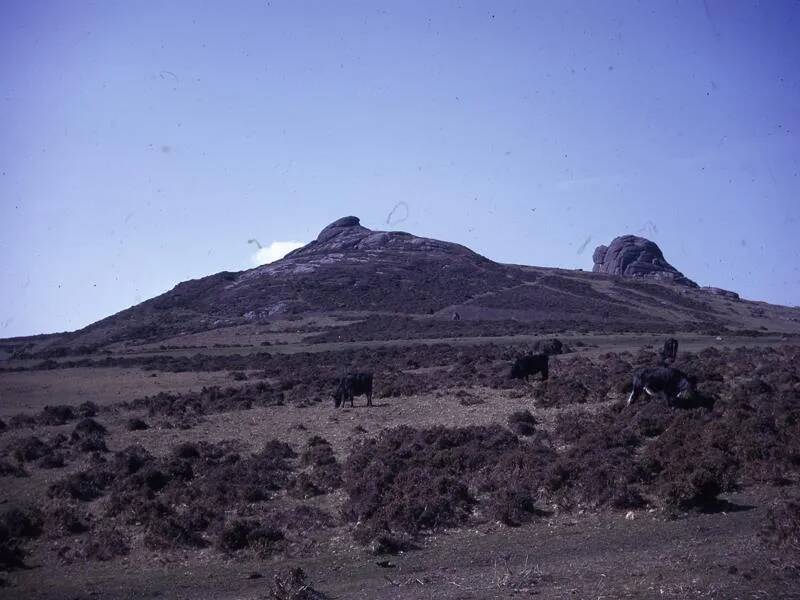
(343, 225)
(637, 257)
(346, 236)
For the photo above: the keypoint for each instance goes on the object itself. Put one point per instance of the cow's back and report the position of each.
(530, 364)
(361, 383)
(659, 377)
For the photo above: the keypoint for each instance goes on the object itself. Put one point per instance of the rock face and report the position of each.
(346, 239)
(720, 292)
(632, 256)
(347, 226)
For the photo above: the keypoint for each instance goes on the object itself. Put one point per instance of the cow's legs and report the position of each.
(369, 399)
(635, 391)
(652, 394)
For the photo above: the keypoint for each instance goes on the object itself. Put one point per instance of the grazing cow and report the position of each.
(670, 350)
(669, 382)
(530, 364)
(353, 384)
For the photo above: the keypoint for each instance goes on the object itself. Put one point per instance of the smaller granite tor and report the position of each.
(637, 257)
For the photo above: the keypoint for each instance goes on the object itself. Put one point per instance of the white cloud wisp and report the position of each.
(274, 251)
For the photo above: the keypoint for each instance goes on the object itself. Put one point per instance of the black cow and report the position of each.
(353, 384)
(666, 381)
(670, 350)
(530, 364)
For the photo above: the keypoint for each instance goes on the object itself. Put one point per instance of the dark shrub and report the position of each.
(136, 425)
(265, 540)
(239, 533)
(303, 486)
(522, 422)
(23, 522)
(12, 555)
(22, 420)
(88, 427)
(327, 477)
(318, 453)
(152, 493)
(697, 489)
(561, 391)
(106, 544)
(210, 399)
(275, 450)
(89, 436)
(467, 399)
(56, 415)
(653, 418)
(173, 532)
(53, 460)
(251, 479)
(29, 449)
(572, 426)
(689, 465)
(8, 469)
(407, 480)
(599, 469)
(511, 507)
(84, 486)
(130, 460)
(154, 479)
(87, 409)
(187, 450)
(62, 519)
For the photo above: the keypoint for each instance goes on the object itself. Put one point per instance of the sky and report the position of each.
(146, 143)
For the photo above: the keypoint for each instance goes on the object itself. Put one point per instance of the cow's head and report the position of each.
(685, 388)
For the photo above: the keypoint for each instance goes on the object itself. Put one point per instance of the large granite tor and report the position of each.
(637, 257)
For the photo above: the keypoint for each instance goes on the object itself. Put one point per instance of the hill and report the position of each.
(395, 280)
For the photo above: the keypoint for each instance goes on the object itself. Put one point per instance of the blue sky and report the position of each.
(144, 143)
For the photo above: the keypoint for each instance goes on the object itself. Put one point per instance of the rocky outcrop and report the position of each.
(720, 292)
(633, 256)
(344, 227)
(346, 239)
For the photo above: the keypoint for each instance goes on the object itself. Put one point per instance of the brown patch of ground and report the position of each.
(33, 390)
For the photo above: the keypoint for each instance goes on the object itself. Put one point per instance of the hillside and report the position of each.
(195, 433)
(398, 280)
